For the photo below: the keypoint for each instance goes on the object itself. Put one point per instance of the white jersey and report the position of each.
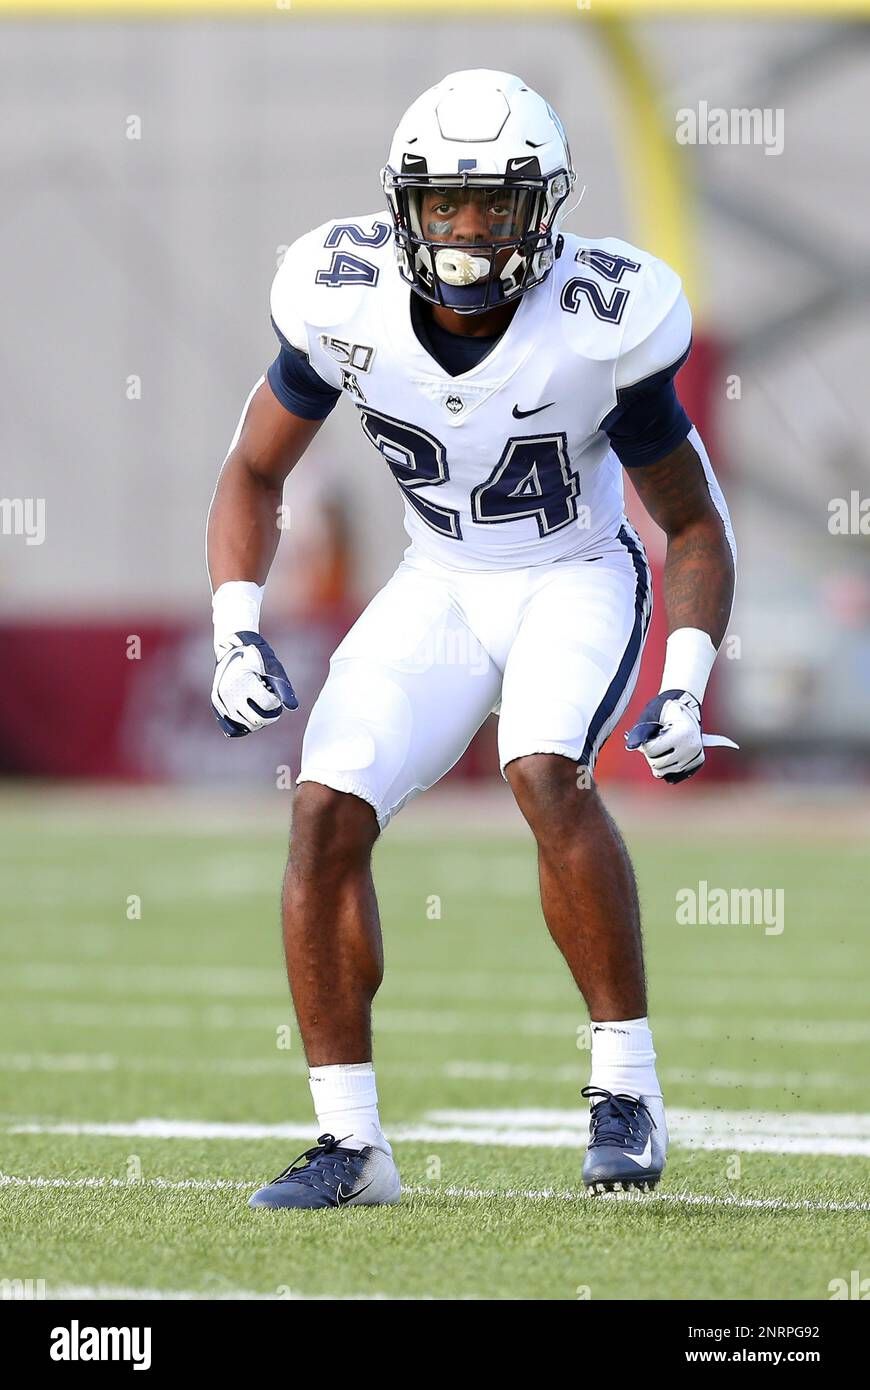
(506, 465)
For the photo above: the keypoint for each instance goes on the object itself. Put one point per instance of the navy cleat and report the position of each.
(330, 1176)
(628, 1143)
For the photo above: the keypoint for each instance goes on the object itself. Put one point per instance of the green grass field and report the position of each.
(180, 1016)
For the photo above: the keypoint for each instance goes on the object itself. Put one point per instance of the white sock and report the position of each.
(623, 1058)
(346, 1103)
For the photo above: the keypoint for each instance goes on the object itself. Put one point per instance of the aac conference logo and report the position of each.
(77, 1343)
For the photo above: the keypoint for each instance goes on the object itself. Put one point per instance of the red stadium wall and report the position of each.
(91, 703)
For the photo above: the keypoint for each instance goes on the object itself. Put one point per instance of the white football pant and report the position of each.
(555, 649)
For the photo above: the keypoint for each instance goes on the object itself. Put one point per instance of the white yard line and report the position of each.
(471, 1070)
(161, 1184)
(232, 981)
(573, 1074)
(259, 982)
(701, 1199)
(745, 1131)
(542, 1194)
(546, 1138)
(108, 1062)
(718, 1078)
(443, 1022)
(842, 1123)
(728, 1079)
(171, 1129)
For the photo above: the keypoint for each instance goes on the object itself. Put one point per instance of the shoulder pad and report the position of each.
(658, 326)
(628, 305)
(325, 272)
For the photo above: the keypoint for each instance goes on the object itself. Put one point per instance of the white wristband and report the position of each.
(689, 658)
(235, 607)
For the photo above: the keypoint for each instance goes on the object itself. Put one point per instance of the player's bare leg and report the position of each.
(332, 931)
(332, 941)
(590, 905)
(588, 892)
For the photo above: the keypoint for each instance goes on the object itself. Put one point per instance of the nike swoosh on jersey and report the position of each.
(521, 414)
(644, 1159)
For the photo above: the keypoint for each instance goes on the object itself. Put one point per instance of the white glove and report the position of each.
(669, 735)
(250, 686)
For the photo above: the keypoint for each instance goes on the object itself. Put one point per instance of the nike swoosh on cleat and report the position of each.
(342, 1198)
(521, 414)
(644, 1159)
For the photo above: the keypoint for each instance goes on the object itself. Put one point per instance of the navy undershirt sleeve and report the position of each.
(648, 421)
(298, 387)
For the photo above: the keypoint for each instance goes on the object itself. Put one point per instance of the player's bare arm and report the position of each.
(682, 496)
(699, 566)
(242, 530)
(250, 687)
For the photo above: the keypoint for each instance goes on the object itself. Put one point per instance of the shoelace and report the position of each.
(319, 1164)
(614, 1125)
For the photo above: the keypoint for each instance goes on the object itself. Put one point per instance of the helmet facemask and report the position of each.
(472, 241)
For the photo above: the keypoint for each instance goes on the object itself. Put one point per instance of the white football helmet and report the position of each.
(478, 172)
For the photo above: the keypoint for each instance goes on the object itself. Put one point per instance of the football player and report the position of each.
(506, 372)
